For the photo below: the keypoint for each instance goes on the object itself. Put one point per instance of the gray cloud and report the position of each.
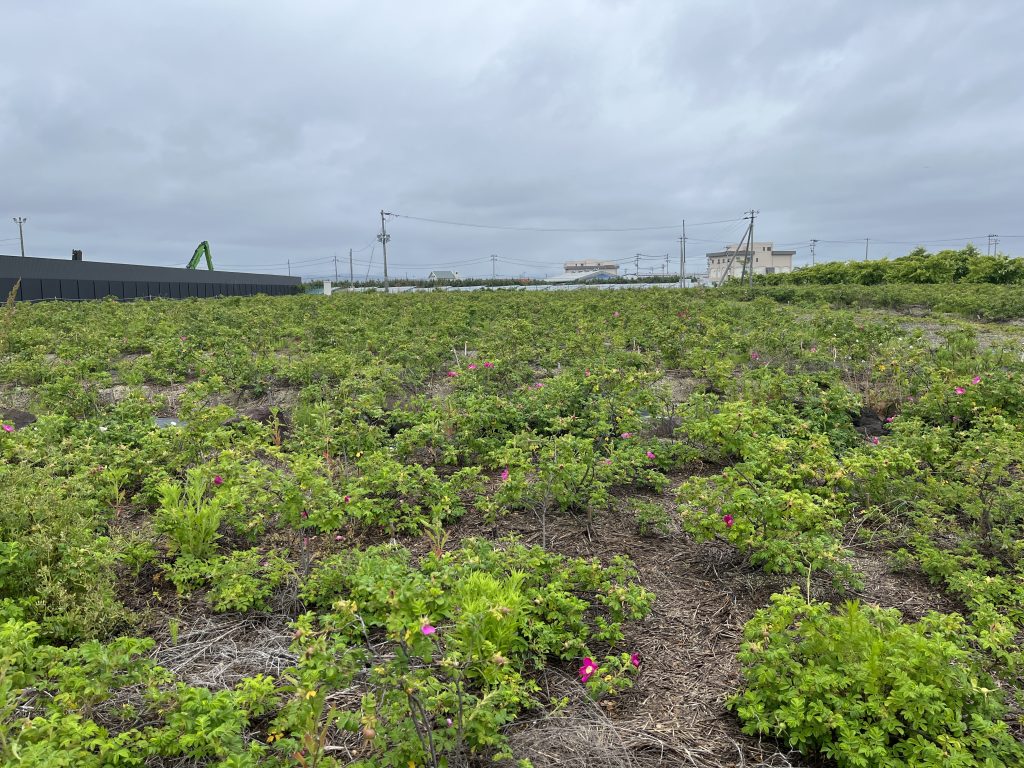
(277, 132)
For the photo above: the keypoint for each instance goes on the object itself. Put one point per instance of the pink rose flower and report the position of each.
(588, 668)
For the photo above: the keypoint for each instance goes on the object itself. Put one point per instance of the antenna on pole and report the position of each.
(813, 243)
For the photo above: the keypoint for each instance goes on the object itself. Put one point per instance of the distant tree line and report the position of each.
(967, 265)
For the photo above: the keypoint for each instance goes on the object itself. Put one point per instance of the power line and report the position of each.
(553, 229)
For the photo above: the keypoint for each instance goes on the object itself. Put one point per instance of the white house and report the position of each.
(443, 274)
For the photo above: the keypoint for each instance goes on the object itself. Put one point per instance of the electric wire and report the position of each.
(474, 225)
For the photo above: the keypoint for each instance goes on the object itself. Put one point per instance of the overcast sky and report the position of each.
(276, 131)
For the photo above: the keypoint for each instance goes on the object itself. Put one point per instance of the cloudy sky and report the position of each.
(278, 131)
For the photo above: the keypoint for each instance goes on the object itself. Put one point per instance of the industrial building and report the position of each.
(766, 261)
(76, 280)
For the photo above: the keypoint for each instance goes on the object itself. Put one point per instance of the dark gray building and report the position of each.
(83, 280)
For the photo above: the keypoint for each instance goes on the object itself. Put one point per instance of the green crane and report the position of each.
(202, 250)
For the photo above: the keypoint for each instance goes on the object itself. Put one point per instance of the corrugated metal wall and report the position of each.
(43, 279)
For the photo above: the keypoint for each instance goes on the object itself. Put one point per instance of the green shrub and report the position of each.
(189, 516)
(464, 631)
(868, 691)
(56, 564)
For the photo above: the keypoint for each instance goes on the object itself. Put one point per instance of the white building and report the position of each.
(766, 261)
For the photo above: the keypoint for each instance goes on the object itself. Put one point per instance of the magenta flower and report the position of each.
(218, 480)
(626, 435)
(959, 390)
(889, 419)
(347, 498)
(338, 537)
(754, 356)
(504, 475)
(452, 374)
(448, 722)
(538, 385)
(814, 349)
(7, 428)
(428, 629)
(588, 668)
(305, 515)
(614, 314)
(650, 454)
(608, 461)
(586, 372)
(874, 441)
(634, 659)
(976, 380)
(488, 365)
(727, 519)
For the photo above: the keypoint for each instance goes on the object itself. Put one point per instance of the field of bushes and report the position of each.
(635, 528)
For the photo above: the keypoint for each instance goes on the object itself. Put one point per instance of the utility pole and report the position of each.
(289, 267)
(664, 270)
(20, 221)
(751, 214)
(638, 265)
(993, 243)
(813, 243)
(867, 241)
(682, 257)
(335, 267)
(351, 279)
(494, 265)
(383, 237)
